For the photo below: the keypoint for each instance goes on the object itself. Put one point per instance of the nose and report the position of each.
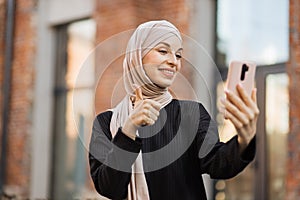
(172, 59)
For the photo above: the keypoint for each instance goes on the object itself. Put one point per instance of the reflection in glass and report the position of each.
(277, 128)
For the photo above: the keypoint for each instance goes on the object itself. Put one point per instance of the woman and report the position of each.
(151, 146)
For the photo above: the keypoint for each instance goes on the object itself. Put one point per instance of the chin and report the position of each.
(164, 85)
(163, 82)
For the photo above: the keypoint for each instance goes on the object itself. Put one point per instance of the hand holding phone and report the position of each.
(241, 109)
(241, 72)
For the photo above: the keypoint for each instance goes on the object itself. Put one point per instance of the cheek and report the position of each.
(149, 70)
(152, 58)
(179, 66)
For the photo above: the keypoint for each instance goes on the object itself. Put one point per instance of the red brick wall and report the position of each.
(20, 119)
(176, 12)
(293, 69)
(113, 17)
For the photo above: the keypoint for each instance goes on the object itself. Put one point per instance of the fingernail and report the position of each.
(222, 100)
(222, 110)
(227, 91)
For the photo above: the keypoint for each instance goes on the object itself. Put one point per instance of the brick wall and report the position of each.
(293, 69)
(20, 119)
(176, 12)
(113, 17)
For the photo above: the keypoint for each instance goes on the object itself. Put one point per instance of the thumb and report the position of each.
(138, 94)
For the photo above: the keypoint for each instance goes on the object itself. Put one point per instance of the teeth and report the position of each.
(168, 71)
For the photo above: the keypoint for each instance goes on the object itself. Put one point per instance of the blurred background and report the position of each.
(53, 83)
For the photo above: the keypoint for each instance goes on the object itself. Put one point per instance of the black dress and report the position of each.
(182, 145)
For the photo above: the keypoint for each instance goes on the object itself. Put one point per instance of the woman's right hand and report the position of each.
(145, 113)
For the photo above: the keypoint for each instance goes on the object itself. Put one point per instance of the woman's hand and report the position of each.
(145, 113)
(243, 112)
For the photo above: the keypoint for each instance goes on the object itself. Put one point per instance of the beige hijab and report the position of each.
(145, 37)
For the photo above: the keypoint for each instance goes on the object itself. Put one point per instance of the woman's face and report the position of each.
(162, 63)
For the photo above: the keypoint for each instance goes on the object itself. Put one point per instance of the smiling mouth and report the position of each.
(168, 73)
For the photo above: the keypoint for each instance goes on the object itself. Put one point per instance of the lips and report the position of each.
(169, 73)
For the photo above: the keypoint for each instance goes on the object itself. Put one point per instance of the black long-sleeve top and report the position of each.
(182, 145)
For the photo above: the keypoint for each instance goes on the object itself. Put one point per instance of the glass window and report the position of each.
(74, 110)
(277, 128)
(253, 30)
(276, 112)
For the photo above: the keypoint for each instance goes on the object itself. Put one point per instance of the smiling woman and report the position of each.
(152, 146)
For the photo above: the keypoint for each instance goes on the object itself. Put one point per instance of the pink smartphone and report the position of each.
(242, 72)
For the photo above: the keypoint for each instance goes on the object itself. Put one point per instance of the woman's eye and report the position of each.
(163, 51)
(178, 56)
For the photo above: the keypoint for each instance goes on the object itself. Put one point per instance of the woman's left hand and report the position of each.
(242, 111)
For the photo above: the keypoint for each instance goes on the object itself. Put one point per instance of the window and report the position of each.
(258, 31)
(277, 128)
(255, 30)
(74, 95)
(264, 178)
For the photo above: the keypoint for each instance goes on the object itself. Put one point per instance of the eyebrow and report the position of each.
(164, 43)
